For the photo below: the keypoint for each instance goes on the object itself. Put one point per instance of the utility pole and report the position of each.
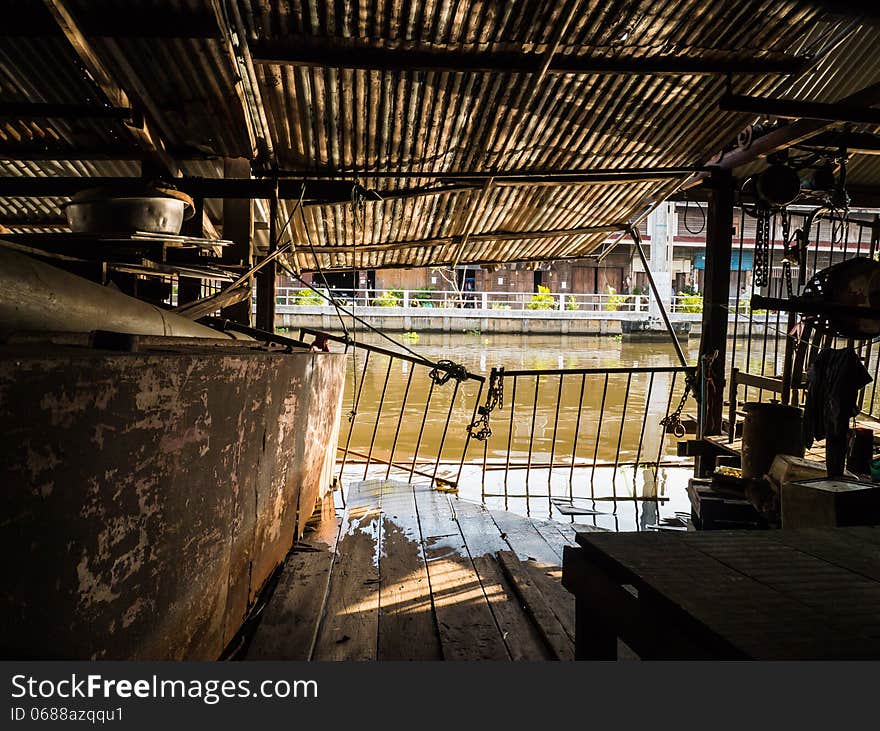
(660, 226)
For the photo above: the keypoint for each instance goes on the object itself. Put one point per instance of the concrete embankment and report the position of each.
(508, 322)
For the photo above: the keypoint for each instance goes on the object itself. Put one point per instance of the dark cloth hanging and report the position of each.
(833, 384)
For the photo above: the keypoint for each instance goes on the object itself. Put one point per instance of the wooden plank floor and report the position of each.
(415, 575)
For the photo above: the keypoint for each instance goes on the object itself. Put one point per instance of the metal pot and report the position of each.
(769, 429)
(99, 210)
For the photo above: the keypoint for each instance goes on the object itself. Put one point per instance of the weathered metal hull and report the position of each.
(146, 497)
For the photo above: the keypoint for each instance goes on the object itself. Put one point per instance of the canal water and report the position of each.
(592, 439)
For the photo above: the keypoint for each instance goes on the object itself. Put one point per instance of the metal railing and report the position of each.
(435, 396)
(571, 425)
(553, 432)
(431, 300)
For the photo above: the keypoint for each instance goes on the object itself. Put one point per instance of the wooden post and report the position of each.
(266, 277)
(716, 294)
(237, 228)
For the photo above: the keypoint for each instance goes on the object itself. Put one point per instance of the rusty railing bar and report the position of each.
(421, 429)
(645, 418)
(446, 427)
(378, 415)
(598, 435)
(467, 438)
(354, 413)
(577, 428)
(399, 421)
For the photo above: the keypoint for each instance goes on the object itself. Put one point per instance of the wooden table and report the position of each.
(774, 594)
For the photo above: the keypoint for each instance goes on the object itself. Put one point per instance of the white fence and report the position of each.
(289, 297)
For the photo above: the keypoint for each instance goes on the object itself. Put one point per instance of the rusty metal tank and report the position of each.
(769, 429)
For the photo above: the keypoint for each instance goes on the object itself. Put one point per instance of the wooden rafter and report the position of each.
(247, 88)
(142, 133)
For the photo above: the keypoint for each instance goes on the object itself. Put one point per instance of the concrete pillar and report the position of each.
(660, 226)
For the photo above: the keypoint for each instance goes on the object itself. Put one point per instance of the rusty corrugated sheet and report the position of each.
(357, 121)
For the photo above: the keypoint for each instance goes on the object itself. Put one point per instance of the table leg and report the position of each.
(594, 639)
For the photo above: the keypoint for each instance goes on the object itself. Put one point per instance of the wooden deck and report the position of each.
(409, 573)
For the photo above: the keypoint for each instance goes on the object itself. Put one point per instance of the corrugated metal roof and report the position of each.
(361, 121)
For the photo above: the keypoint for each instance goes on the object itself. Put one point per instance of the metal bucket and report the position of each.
(769, 429)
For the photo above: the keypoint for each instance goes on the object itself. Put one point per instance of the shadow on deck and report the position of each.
(410, 573)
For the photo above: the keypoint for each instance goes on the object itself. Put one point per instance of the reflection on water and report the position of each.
(582, 424)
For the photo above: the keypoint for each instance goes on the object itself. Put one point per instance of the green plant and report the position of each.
(389, 298)
(307, 297)
(615, 301)
(499, 306)
(638, 290)
(571, 303)
(424, 297)
(689, 302)
(542, 300)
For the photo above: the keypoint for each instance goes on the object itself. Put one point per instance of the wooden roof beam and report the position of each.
(146, 138)
(287, 53)
(320, 191)
(30, 19)
(503, 235)
(796, 109)
(247, 88)
(784, 137)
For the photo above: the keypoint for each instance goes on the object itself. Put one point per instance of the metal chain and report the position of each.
(446, 370)
(672, 422)
(762, 247)
(790, 256)
(479, 429)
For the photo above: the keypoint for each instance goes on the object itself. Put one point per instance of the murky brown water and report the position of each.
(598, 423)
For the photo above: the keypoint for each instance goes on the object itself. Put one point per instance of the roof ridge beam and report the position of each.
(282, 53)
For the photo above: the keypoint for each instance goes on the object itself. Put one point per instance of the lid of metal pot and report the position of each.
(145, 189)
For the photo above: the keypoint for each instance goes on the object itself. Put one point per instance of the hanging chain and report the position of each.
(479, 429)
(762, 247)
(672, 422)
(790, 255)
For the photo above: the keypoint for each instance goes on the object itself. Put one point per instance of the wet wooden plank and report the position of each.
(350, 627)
(483, 539)
(570, 530)
(480, 532)
(467, 627)
(289, 624)
(554, 634)
(552, 532)
(407, 630)
(524, 538)
(548, 580)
